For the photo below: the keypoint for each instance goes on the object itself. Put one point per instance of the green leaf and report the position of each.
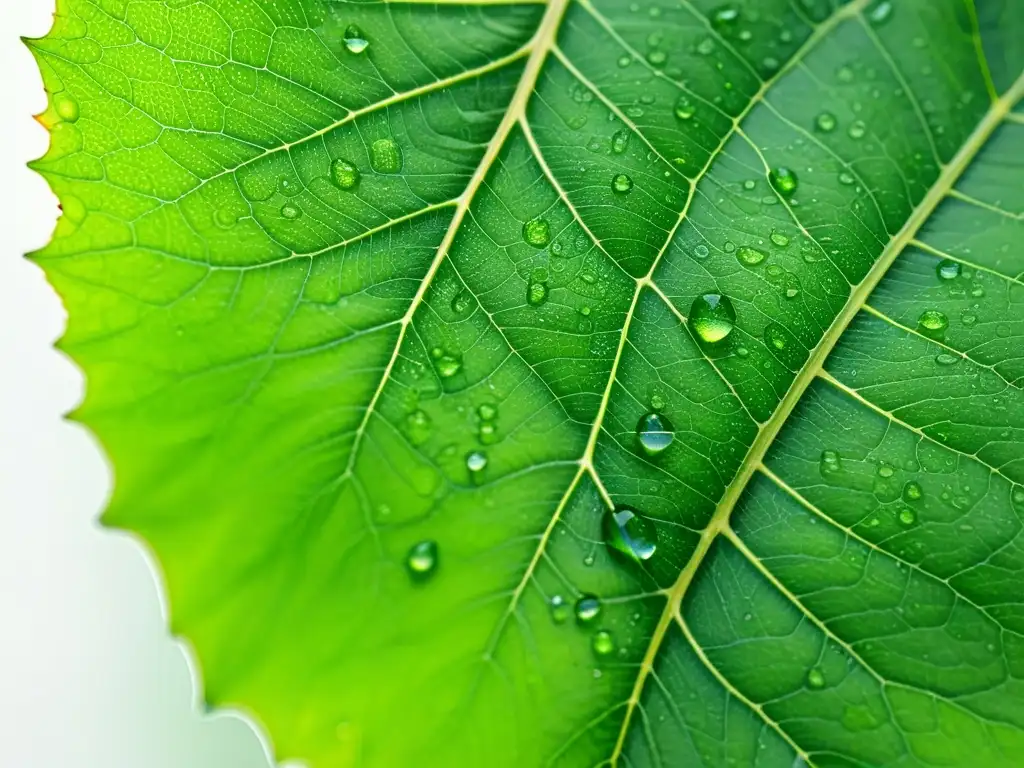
(373, 299)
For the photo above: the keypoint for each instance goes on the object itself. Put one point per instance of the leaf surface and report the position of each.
(351, 281)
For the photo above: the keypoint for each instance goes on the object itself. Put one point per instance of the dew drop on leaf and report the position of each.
(476, 461)
(537, 232)
(448, 366)
(778, 238)
(462, 302)
(856, 130)
(344, 173)
(701, 251)
(825, 122)
(783, 180)
(487, 412)
(830, 462)
(907, 516)
(880, 12)
(712, 317)
(559, 609)
(418, 425)
(912, 491)
(948, 269)
(775, 336)
(536, 293)
(66, 107)
(290, 211)
(421, 561)
(654, 433)
(622, 184)
(815, 678)
(750, 257)
(944, 358)
(355, 41)
(933, 320)
(628, 532)
(684, 108)
(620, 141)
(385, 156)
(587, 607)
(603, 643)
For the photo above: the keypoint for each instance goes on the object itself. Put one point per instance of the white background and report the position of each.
(89, 677)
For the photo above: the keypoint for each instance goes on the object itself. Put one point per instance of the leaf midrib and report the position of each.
(767, 433)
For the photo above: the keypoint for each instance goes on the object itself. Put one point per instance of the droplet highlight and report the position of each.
(355, 41)
(712, 317)
(421, 561)
(654, 433)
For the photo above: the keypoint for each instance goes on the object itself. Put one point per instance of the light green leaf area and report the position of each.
(372, 299)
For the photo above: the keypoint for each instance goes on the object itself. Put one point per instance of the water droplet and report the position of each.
(750, 257)
(712, 317)
(846, 178)
(884, 470)
(620, 141)
(536, 293)
(856, 130)
(830, 462)
(657, 58)
(775, 336)
(622, 184)
(684, 108)
(944, 358)
(934, 321)
(448, 365)
(628, 532)
(706, 46)
(290, 211)
(907, 516)
(701, 251)
(603, 643)
(462, 302)
(225, 218)
(385, 156)
(487, 412)
(655, 434)
(948, 270)
(783, 180)
(779, 239)
(344, 173)
(588, 607)
(825, 122)
(815, 678)
(354, 40)
(418, 425)
(912, 491)
(537, 232)
(422, 560)
(968, 318)
(880, 13)
(66, 107)
(725, 17)
(657, 401)
(476, 461)
(559, 609)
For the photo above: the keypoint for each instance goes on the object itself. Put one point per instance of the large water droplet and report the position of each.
(750, 257)
(907, 516)
(712, 317)
(628, 532)
(344, 173)
(684, 108)
(603, 643)
(825, 122)
(536, 293)
(654, 433)
(948, 270)
(448, 365)
(933, 321)
(778, 238)
(815, 678)
(912, 491)
(422, 560)
(622, 184)
(476, 461)
(385, 156)
(559, 609)
(355, 42)
(783, 180)
(66, 107)
(537, 232)
(587, 608)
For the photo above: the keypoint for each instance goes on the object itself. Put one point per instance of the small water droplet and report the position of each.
(588, 607)
(944, 358)
(783, 180)
(657, 401)
(725, 17)
(422, 560)
(620, 141)
(559, 609)
(857, 129)
(825, 122)
(657, 58)
(603, 643)
(462, 302)
(654, 433)
(355, 41)
(622, 184)
(907, 516)
(830, 462)
(448, 365)
(684, 108)
(912, 491)
(701, 251)
(66, 107)
(846, 178)
(487, 412)
(968, 318)
(628, 532)
(290, 211)
(779, 239)
(948, 269)
(775, 336)
(385, 156)
(476, 461)
(750, 257)
(885, 470)
(933, 320)
(712, 317)
(880, 13)
(815, 678)
(418, 425)
(344, 173)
